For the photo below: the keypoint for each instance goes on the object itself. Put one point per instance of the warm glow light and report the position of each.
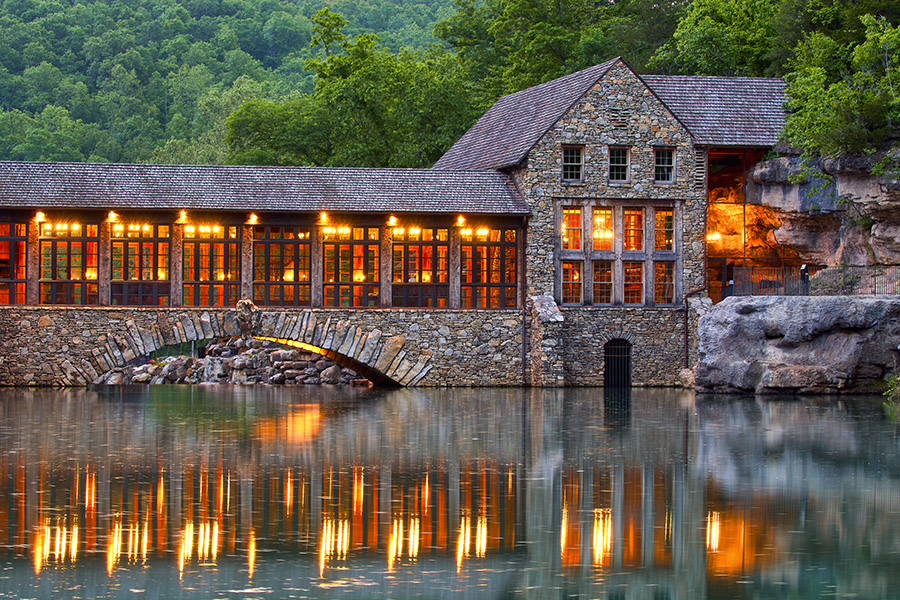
(460, 221)
(392, 220)
(715, 236)
(323, 217)
(413, 545)
(335, 542)
(359, 487)
(114, 547)
(414, 231)
(90, 273)
(253, 220)
(481, 535)
(358, 276)
(463, 540)
(482, 232)
(189, 229)
(426, 277)
(289, 275)
(112, 217)
(39, 217)
(251, 554)
(466, 232)
(602, 536)
(182, 217)
(712, 531)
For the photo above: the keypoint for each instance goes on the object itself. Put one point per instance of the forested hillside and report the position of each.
(393, 83)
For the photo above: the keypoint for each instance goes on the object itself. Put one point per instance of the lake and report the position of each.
(318, 492)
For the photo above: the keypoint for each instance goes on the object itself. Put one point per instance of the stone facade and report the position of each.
(63, 346)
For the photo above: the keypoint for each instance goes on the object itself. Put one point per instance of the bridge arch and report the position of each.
(383, 359)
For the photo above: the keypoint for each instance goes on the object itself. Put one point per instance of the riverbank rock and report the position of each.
(785, 345)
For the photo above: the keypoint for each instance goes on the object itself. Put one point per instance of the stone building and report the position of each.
(576, 212)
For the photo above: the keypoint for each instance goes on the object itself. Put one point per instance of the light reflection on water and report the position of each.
(260, 492)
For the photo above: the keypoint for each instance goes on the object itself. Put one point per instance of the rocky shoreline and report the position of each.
(237, 361)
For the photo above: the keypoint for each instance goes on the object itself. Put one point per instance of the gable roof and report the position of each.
(724, 111)
(718, 111)
(514, 124)
(240, 188)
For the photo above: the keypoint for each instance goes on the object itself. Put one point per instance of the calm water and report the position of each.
(206, 492)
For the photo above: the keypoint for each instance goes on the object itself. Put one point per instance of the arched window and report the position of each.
(617, 364)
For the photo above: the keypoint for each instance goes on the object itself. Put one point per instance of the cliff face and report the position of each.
(851, 216)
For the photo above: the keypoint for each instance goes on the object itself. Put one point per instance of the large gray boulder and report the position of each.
(780, 344)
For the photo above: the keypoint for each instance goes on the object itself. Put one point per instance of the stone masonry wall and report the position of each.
(54, 346)
(656, 335)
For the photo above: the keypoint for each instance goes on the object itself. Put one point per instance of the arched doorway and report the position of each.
(617, 364)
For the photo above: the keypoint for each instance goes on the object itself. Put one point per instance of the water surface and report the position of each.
(257, 492)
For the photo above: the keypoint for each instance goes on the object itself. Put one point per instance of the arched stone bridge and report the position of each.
(74, 346)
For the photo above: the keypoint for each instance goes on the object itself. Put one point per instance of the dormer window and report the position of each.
(572, 163)
(618, 164)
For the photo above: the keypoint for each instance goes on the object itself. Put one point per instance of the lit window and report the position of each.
(664, 232)
(281, 266)
(12, 263)
(618, 164)
(634, 229)
(488, 268)
(664, 282)
(664, 171)
(420, 261)
(572, 157)
(139, 264)
(603, 229)
(571, 229)
(69, 263)
(603, 282)
(571, 282)
(211, 265)
(634, 282)
(351, 266)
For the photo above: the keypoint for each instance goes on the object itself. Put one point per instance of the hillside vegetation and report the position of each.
(392, 83)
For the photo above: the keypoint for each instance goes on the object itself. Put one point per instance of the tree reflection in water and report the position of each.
(205, 491)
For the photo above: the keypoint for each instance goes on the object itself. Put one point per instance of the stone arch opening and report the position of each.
(376, 377)
(617, 364)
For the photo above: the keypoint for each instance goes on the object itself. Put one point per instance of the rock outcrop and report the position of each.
(787, 345)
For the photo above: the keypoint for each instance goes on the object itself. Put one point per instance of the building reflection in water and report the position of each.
(609, 504)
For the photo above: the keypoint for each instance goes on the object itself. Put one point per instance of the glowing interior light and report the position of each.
(414, 231)
(253, 220)
(39, 217)
(392, 220)
(182, 216)
(323, 217)
(112, 217)
(712, 531)
(460, 221)
(714, 236)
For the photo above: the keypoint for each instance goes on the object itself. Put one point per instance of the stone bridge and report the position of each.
(73, 346)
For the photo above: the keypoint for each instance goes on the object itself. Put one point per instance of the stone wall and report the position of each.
(784, 345)
(52, 346)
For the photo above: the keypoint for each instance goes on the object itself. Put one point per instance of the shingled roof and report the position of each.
(724, 111)
(717, 111)
(128, 186)
(514, 124)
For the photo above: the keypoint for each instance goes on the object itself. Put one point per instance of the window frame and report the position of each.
(408, 287)
(149, 291)
(272, 287)
(364, 251)
(483, 292)
(627, 166)
(16, 240)
(657, 165)
(572, 282)
(81, 290)
(211, 291)
(570, 165)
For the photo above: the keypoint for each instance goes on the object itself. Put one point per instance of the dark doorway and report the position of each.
(617, 364)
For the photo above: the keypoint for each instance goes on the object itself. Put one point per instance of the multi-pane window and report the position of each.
(633, 273)
(603, 229)
(572, 161)
(603, 281)
(488, 271)
(420, 259)
(139, 257)
(571, 282)
(69, 263)
(211, 265)
(664, 230)
(281, 266)
(664, 282)
(618, 164)
(351, 266)
(633, 219)
(664, 165)
(571, 229)
(12, 262)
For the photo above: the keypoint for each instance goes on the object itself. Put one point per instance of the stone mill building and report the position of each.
(565, 239)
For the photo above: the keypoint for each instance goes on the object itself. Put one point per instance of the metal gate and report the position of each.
(617, 364)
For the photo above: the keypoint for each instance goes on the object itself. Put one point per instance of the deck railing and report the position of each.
(843, 280)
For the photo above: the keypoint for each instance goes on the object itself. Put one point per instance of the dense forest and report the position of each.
(394, 83)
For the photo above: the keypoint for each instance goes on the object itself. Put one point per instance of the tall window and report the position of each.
(140, 264)
(603, 229)
(571, 282)
(603, 281)
(212, 265)
(572, 161)
(351, 266)
(12, 262)
(571, 229)
(664, 230)
(634, 230)
(419, 258)
(618, 164)
(634, 282)
(664, 165)
(281, 267)
(69, 263)
(664, 282)
(488, 268)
